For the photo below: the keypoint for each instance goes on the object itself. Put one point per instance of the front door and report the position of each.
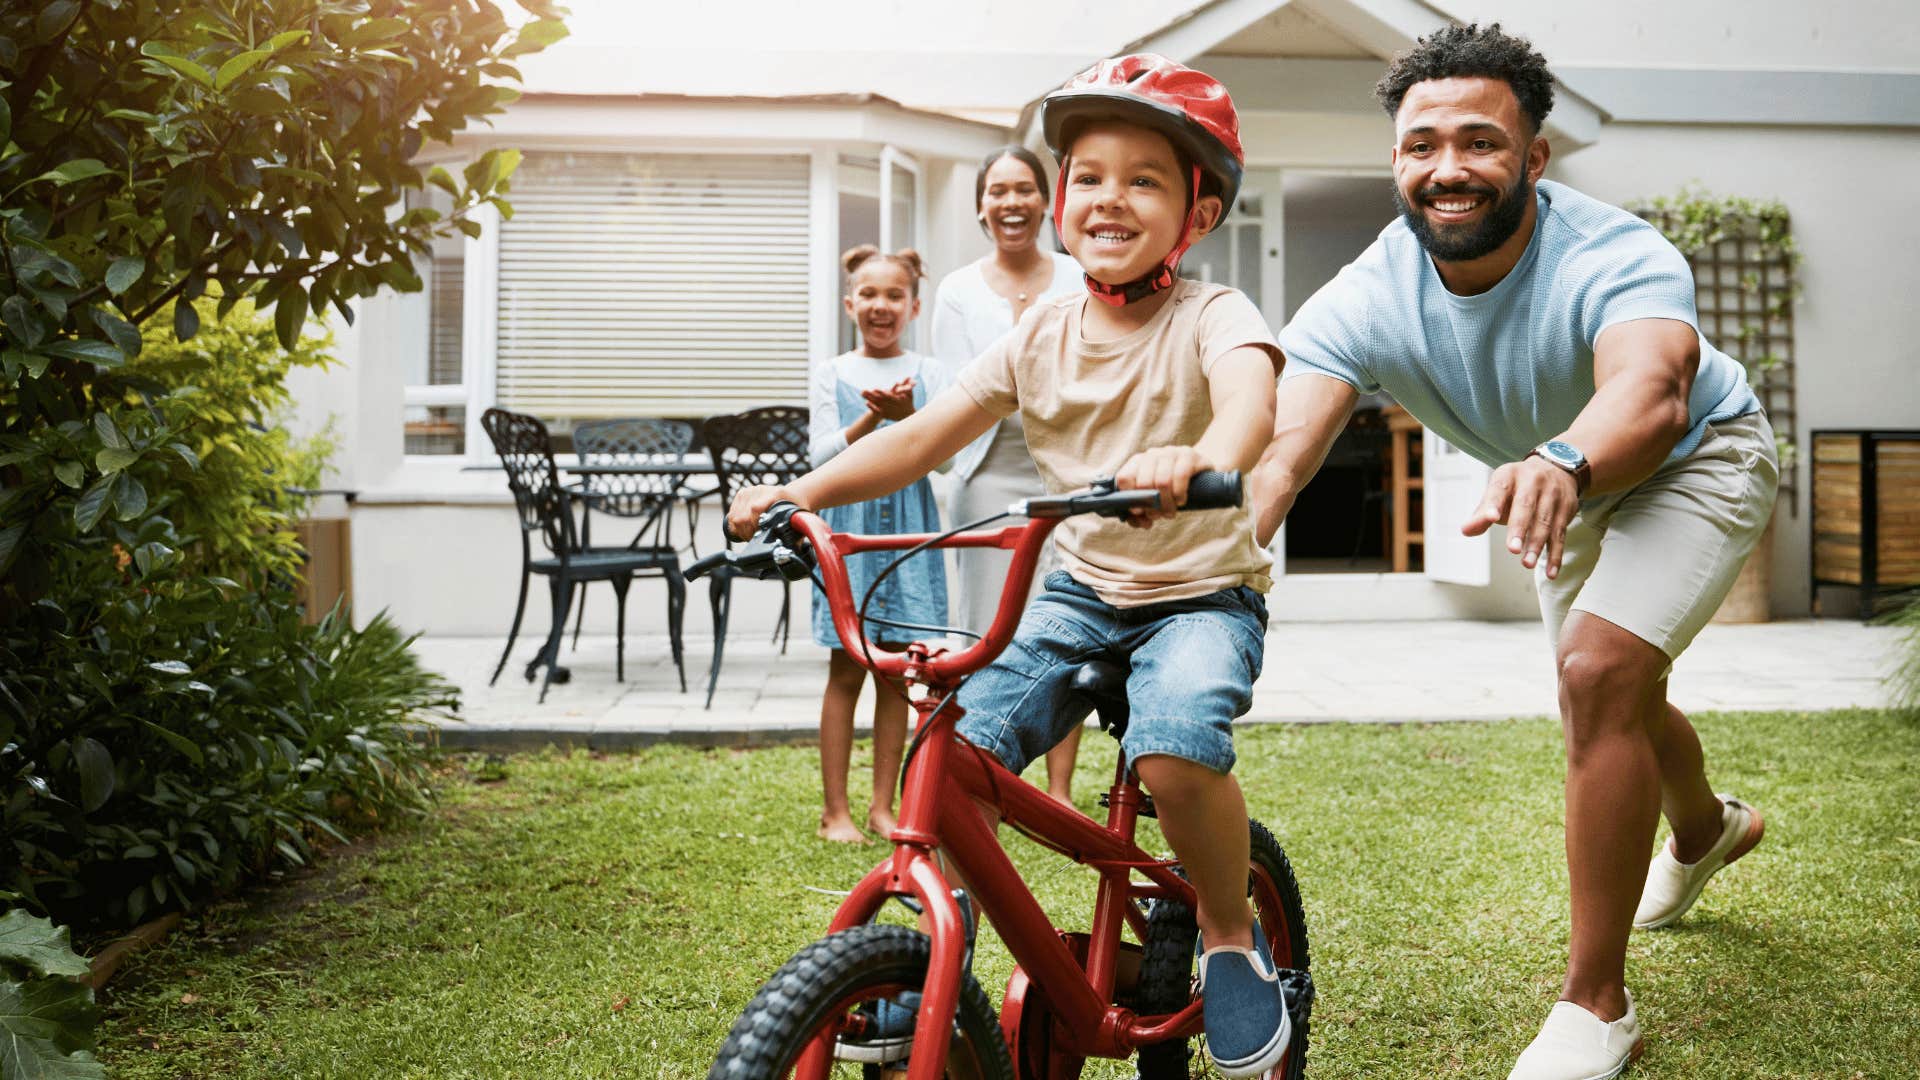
(1453, 484)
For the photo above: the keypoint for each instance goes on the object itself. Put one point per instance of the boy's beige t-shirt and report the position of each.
(1088, 407)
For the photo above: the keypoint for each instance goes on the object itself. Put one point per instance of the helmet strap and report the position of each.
(1156, 280)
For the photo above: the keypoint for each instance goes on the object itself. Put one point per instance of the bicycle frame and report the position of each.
(944, 779)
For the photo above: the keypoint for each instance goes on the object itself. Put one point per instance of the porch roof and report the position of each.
(749, 119)
(1316, 55)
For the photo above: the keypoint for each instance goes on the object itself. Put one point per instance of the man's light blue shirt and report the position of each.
(1498, 373)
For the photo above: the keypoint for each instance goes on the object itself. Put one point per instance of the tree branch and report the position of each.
(180, 285)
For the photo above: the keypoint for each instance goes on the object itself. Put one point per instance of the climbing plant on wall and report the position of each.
(1746, 279)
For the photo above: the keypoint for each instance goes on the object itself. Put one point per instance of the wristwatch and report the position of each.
(1568, 457)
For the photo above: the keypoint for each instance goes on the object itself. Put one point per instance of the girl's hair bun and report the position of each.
(854, 256)
(906, 258)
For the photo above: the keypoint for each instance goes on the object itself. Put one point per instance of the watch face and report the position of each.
(1562, 454)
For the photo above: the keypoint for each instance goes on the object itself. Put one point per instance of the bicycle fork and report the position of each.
(911, 875)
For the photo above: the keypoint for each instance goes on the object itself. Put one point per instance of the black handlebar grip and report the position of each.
(705, 566)
(1211, 490)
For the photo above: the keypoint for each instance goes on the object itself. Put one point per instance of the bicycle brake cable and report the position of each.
(866, 646)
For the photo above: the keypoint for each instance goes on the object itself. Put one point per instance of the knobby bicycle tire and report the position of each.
(831, 975)
(1166, 969)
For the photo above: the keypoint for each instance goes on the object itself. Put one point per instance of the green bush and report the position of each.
(169, 725)
(223, 394)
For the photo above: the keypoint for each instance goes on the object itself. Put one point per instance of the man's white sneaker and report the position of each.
(1673, 886)
(1574, 1044)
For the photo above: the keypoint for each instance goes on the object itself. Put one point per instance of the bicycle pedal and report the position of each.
(1146, 804)
(1297, 990)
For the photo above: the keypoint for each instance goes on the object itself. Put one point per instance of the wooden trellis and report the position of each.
(1744, 286)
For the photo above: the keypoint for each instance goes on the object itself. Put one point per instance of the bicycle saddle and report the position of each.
(1103, 685)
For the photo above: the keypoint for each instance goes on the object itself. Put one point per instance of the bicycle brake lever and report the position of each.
(792, 556)
(777, 523)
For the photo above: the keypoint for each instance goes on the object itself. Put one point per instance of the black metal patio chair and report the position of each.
(545, 507)
(768, 445)
(646, 498)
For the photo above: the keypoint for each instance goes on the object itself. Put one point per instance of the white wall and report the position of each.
(1792, 34)
(1330, 220)
(986, 57)
(1856, 328)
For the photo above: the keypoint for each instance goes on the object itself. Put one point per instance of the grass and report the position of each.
(609, 917)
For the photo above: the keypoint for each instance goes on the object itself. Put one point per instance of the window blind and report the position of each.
(653, 285)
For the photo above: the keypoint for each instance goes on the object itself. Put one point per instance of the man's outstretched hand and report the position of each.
(1535, 499)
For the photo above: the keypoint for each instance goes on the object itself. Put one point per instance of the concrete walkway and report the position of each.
(1396, 672)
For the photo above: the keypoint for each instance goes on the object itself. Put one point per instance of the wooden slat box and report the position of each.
(1866, 511)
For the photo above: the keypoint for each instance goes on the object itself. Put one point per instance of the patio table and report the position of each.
(664, 465)
(678, 465)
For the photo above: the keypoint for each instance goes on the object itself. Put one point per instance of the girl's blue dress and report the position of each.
(916, 591)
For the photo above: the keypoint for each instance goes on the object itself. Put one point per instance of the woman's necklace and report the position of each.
(1023, 286)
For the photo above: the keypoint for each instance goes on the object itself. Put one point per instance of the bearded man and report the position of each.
(1554, 338)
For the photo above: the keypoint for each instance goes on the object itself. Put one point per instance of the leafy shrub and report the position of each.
(163, 151)
(48, 1019)
(222, 395)
(168, 723)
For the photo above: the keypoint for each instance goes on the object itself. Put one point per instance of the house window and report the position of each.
(867, 186)
(858, 182)
(436, 380)
(903, 202)
(653, 285)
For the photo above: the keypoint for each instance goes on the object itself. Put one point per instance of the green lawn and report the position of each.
(609, 917)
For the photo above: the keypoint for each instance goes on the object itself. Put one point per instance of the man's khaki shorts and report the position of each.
(1657, 559)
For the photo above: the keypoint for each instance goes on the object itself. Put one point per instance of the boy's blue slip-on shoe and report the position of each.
(1248, 1028)
(889, 1034)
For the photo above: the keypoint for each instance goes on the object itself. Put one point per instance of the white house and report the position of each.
(686, 190)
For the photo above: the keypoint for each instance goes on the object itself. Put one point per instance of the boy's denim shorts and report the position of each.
(1193, 663)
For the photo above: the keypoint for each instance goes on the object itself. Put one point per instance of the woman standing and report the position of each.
(975, 306)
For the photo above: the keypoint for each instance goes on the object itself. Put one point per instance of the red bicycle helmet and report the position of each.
(1191, 108)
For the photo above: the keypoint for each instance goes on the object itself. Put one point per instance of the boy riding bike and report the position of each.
(1151, 379)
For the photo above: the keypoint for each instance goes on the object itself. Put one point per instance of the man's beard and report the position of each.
(1461, 243)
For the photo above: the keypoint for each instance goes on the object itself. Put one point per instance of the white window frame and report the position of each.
(478, 301)
(891, 156)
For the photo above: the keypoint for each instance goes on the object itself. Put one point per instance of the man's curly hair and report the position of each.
(1469, 52)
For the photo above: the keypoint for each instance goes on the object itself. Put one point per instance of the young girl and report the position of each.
(852, 396)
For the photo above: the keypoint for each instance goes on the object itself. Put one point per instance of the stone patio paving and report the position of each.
(1396, 672)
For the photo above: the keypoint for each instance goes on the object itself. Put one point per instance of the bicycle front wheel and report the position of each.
(838, 989)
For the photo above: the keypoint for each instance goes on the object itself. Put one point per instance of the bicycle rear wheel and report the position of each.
(820, 993)
(1166, 971)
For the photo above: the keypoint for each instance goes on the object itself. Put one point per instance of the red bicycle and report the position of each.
(839, 1004)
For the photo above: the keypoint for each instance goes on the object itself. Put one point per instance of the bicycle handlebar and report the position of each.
(1208, 490)
(791, 542)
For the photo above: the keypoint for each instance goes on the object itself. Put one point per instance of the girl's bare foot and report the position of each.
(1063, 799)
(882, 822)
(841, 830)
